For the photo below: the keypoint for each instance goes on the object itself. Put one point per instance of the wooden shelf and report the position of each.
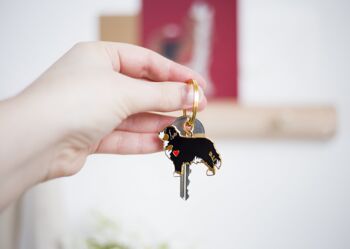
(227, 119)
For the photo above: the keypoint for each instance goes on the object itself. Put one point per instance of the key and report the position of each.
(185, 170)
(184, 181)
(187, 147)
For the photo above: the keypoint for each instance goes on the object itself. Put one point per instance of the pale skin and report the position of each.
(95, 99)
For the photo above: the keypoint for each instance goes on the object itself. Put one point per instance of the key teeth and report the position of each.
(188, 182)
(187, 195)
(188, 176)
(185, 177)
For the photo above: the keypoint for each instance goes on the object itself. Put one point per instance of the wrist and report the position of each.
(29, 144)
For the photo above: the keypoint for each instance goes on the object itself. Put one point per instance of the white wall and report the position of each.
(269, 194)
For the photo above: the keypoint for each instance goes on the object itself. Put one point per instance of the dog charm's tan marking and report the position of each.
(168, 147)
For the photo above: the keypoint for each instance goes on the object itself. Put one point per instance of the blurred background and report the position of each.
(290, 192)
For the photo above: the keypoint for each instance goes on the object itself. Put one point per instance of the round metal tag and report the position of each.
(198, 128)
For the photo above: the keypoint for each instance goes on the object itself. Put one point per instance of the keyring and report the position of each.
(192, 119)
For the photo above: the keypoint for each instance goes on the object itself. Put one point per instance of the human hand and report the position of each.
(95, 99)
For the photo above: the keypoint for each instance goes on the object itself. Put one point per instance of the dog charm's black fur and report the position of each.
(186, 150)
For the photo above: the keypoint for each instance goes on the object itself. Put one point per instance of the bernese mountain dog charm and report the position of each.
(182, 148)
(185, 144)
(186, 148)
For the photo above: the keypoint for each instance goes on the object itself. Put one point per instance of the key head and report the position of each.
(198, 128)
(187, 150)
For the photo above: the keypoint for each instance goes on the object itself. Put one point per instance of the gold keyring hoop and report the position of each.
(192, 119)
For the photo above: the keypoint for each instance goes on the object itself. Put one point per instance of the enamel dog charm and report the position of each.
(185, 144)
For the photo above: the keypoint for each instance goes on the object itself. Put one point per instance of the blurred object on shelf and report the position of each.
(199, 34)
(120, 28)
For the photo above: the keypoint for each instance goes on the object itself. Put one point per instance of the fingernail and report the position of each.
(189, 95)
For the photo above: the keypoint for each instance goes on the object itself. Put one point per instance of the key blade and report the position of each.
(184, 181)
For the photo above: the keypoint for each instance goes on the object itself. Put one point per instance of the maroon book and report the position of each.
(200, 34)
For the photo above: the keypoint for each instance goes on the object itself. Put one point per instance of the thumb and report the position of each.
(148, 96)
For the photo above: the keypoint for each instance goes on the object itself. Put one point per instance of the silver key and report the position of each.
(198, 131)
(186, 145)
(184, 181)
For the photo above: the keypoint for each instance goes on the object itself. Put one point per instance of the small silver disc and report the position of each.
(198, 130)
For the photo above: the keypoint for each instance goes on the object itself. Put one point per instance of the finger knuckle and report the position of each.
(165, 98)
(155, 66)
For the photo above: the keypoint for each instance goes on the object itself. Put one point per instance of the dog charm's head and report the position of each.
(168, 134)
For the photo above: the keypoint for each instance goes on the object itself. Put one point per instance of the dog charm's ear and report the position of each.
(173, 132)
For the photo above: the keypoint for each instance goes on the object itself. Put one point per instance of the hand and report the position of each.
(94, 99)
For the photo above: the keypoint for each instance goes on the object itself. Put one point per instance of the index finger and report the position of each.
(143, 63)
